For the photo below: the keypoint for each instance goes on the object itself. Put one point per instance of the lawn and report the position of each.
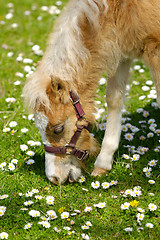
(122, 205)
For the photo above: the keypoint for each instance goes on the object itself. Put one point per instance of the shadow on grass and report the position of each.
(117, 173)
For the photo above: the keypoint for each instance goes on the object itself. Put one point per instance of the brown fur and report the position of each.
(89, 38)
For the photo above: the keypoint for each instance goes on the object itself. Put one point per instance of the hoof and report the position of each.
(99, 172)
(70, 179)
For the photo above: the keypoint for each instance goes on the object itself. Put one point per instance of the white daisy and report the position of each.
(31, 117)
(95, 184)
(52, 214)
(102, 126)
(82, 179)
(153, 163)
(87, 209)
(150, 135)
(29, 194)
(125, 156)
(105, 185)
(13, 124)
(45, 224)
(4, 196)
(31, 143)
(125, 206)
(27, 60)
(28, 203)
(14, 161)
(38, 197)
(35, 191)
(147, 169)
(151, 194)
(137, 67)
(3, 165)
(50, 200)
(35, 47)
(64, 215)
(152, 207)
(149, 82)
(149, 225)
(7, 129)
(113, 183)
(37, 143)
(142, 97)
(128, 229)
(10, 100)
(100, 205)
(19, 74)
(24, 130)
(11, 166)
(128, 191)
(23, 147)
(3, 235)
(140, 210)
(2, 210)
(139, 110)
(135, 157)
(138, 192)
(17, 83)
(19, 59)
(140, 216)
(145, 88)
(148, 174)
(128, 136)
(30, 162)
(151, 181)
(30, 153)
(34, 213)
(27, 226)
(88, 223)
(85, 227)
(85, 236)
(102, 81)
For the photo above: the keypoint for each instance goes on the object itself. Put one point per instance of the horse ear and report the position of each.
(60, 89)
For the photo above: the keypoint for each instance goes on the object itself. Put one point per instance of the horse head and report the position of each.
(64, 128)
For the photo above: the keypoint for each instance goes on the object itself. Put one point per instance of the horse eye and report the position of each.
(58, 128)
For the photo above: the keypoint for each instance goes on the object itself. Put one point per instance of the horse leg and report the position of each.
(114, 96)
(152, 57)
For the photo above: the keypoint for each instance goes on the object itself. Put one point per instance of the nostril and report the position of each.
(55, 180)
(71, 179)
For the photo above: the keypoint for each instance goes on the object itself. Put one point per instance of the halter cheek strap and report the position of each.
(80, 154)
(76, 103)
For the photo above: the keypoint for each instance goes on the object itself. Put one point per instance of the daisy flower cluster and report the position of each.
(46, 219)
(148, 170)
(104, 185)
(25, 148)
(140, 213)
(9, 167)
(2, 210)
(40, 209)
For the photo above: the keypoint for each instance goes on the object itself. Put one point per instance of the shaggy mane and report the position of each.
(66, 53)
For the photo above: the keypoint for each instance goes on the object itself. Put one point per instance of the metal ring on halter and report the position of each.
(84, 154)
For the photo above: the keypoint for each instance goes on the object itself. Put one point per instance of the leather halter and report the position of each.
(70, 147)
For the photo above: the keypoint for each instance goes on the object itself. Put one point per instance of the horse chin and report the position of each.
(58, 170)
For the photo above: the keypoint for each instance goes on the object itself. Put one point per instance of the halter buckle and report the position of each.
(84, 155)
(77, 101)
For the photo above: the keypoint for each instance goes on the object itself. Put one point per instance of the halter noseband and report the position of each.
(80, 154)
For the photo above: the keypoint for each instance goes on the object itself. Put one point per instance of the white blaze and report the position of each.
(41, 122)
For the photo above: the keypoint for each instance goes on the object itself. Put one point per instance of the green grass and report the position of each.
(109, 222)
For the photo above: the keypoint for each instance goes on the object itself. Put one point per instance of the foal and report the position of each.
(90, 37)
